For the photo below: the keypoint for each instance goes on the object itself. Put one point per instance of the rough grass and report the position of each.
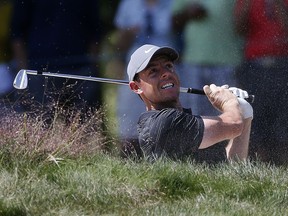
(72, 169)
(107, 185)
(73, 135)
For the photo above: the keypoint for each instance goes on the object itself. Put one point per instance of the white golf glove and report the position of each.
(239, 92)
(246, 108)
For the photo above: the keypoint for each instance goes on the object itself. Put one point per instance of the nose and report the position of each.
(165, 71)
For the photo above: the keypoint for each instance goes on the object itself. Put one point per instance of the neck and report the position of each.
(161, 106)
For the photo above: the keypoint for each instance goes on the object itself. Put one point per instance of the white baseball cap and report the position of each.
(142, 56)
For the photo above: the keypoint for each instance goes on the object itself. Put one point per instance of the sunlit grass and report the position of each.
(105, 184)
(73, 169)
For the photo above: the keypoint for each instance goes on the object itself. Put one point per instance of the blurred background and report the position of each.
(242, 43)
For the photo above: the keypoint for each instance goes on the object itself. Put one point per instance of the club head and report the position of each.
(21, 80)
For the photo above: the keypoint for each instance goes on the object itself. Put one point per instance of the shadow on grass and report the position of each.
(7, 210)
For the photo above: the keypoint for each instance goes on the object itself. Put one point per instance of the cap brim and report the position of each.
(166, 51)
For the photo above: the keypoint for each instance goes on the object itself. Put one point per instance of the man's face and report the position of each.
(160, 83)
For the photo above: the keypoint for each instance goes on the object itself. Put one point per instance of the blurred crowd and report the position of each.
(241, 43)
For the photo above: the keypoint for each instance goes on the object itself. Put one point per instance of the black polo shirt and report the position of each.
(176, 134)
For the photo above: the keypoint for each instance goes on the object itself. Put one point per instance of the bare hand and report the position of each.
(220, 97)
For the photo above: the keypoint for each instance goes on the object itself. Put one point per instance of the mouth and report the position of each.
(167, 86)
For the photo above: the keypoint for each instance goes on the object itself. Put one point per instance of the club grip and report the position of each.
(195, 91)
(250, 98)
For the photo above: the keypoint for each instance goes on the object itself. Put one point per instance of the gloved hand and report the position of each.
(246, 108)
(239, 92)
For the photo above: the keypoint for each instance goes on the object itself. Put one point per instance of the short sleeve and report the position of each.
(170, 132)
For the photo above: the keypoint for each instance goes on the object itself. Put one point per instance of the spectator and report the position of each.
(211, 49)
(59, 36)
(148, 22)
(264, 26)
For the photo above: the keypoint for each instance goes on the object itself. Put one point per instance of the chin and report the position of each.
(170, 100)
(173, 96)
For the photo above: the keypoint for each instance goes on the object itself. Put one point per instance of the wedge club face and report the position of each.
(21, 80)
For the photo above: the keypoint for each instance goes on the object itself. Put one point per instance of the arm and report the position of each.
(237, 148)
(229, 124)
(232, 116)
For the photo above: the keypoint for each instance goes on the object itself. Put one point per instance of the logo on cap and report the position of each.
(147, 51)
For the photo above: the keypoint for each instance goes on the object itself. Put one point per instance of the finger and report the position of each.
(213, 87)
(207, 90)
(225, 86)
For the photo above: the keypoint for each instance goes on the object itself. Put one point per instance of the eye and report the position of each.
(153, 71)
(169, 66)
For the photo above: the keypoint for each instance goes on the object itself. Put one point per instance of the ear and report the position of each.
(135, 88)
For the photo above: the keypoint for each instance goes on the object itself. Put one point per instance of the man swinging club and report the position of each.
(167, 129)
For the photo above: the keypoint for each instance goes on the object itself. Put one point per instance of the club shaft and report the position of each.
(103, 80)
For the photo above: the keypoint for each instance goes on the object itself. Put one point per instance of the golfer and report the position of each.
(167, 129)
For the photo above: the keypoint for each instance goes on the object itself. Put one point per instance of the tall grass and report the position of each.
(72, 169)
(54, 134)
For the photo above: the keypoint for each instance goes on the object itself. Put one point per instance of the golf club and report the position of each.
(21, 81)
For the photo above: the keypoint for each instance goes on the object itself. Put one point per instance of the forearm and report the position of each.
(233, 119)
(238, 115)
(229, 124)
(237, 149)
